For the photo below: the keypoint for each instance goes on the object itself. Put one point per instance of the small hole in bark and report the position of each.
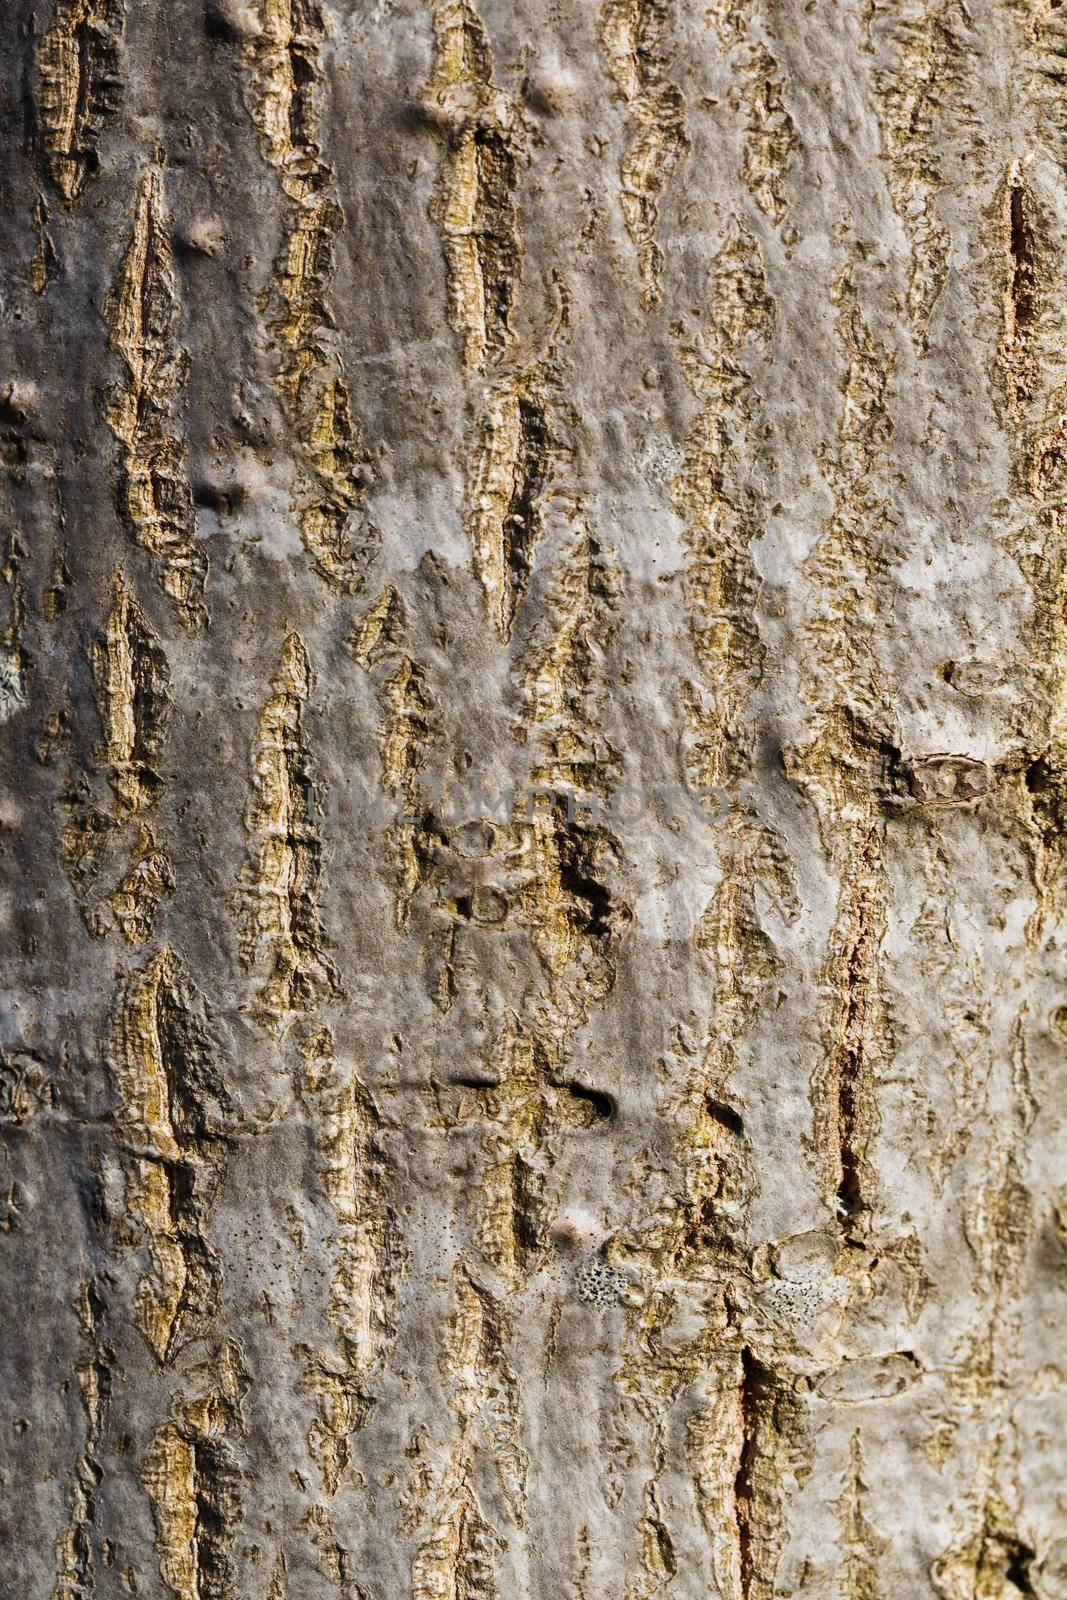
(725, 1115)
(1017, 1568)
(213, 497)
(218, 26)
(601, 1104)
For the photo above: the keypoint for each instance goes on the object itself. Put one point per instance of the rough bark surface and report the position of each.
(600, 1201)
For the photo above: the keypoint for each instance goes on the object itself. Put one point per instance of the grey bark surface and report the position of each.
(650, 1195)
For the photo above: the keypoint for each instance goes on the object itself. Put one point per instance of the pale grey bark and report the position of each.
(402, 402)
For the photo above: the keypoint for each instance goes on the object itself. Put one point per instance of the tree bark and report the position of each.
(535, 744)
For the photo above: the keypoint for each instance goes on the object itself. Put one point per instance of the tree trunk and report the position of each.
(535, 700)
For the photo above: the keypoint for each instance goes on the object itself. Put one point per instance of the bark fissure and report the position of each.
(154, 498)
(634, 37)
(283, 942)
(530, 1045)
(283, 87)
(173, 1113)
(1021, 299)
(78, 89)
(474, 205)
(847, 1069)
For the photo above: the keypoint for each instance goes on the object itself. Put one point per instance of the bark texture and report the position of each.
(603, 1200)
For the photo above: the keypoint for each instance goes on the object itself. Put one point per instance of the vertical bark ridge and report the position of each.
(172, 1114)
(79, 89)
(75, 1553)
(924, 48)
(852, 766)
(192, 1475)
(282, 938)
(650, 1189)
(634, 37)
(109, 844)
(282, 87)
(512, 438)
(474, 207)
(154, 498)
(366, 1253)
(768, 130)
